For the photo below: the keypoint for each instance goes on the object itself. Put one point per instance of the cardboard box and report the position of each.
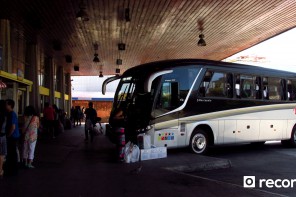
(162, 152)
(153, 153)
(145, 154)
(144, 141)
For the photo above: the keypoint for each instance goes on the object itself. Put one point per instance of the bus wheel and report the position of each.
(292, 141)
(199, 142)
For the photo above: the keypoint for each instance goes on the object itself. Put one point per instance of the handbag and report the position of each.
(28, 125)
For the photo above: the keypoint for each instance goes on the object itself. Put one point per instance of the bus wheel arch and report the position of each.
(201, 139)
(292, 141)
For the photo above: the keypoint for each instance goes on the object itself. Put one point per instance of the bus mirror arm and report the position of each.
(108, 80)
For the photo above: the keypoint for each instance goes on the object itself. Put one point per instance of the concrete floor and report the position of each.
(67, 166)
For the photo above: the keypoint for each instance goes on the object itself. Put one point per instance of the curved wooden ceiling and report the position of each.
(158, 30)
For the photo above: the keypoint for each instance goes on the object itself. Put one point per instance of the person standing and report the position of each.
(77, 116)
(12, 134)
(48, 114)
(56, 113)
(3, 143)
(30, 131)
(72, 112)
(90, 121)
(82, 114)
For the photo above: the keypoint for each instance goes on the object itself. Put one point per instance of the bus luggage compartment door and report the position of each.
(166, 137)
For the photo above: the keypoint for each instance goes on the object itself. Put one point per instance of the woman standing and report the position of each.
(30, 131)
(3, 143)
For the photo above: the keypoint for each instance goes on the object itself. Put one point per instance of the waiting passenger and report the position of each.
(3, 143)
(30, 131)
(12, 134)
(90, 121)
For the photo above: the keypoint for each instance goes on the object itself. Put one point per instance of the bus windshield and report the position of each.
(125, 91)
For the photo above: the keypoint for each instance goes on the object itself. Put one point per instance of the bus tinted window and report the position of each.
(248, 86)
(174, 89)
(127, 89)
(216, 84)
(275, 88)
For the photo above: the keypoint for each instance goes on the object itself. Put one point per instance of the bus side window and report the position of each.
(204, 84)
(274, 88)
(248, 86)
(217, 85)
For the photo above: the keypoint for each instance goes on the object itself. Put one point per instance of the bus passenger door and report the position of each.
(229, 133)
(247, 130)
(166, 120)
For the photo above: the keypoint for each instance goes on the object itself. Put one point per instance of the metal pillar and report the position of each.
(31, 73)
(61, 85)
(49, 78)
(68, 91)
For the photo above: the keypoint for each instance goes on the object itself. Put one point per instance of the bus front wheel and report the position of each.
(292, 141)
(199, 142)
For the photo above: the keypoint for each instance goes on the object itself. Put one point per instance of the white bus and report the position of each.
(202, 103)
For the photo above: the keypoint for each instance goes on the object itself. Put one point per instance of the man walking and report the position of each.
(90, 121)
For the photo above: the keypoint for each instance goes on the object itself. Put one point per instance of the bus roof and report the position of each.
(243, 68)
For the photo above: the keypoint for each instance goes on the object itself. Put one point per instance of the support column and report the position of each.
(15, 97)
(5, 42)
(31, 73)
(49, 76)
(28, 98)
(61, 85)
(68, 91)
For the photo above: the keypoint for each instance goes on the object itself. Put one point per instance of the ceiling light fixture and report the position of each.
(82, 15)
(96, 55)
(76, 68)
(119, 61)
(96, 58)
(201, 41)
(121, 46)
(127, 15)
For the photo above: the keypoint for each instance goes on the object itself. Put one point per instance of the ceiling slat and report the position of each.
(158, 30)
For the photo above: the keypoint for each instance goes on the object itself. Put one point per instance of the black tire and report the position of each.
(292, 141)
(199, 142)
